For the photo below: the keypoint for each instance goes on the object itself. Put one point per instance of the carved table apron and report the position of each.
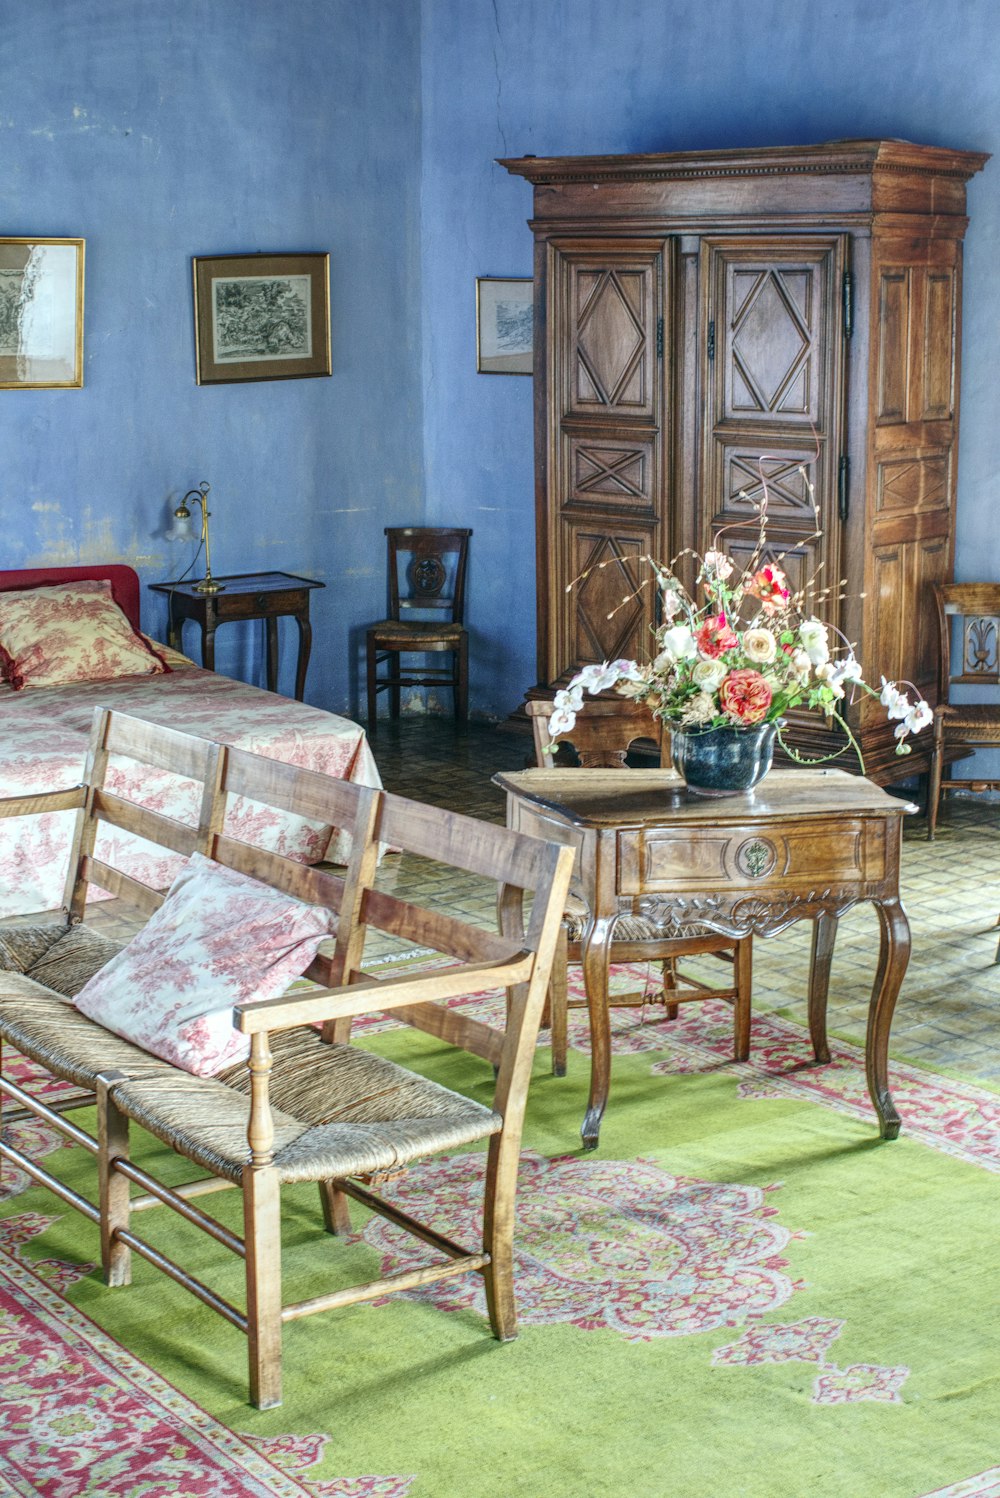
(805, 845)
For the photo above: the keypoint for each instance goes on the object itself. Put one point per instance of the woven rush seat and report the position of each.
(338, 1111)
(60, 958)
(44, 1026)
(980, 716)
(394, 631)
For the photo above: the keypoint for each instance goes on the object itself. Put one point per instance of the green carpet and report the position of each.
(741, 1293)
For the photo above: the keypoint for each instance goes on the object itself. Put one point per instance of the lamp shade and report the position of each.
(182, 528)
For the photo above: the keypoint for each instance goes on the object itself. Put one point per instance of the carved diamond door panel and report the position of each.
(610, 473)
(612, 599)
(775, 401)
(612, 307)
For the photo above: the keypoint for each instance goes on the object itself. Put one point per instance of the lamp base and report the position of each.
(209, 585)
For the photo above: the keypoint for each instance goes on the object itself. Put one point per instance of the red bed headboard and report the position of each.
(124, 583)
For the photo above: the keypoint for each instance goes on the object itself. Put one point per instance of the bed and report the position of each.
(44, 731)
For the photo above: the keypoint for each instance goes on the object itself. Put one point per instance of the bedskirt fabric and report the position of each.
(43, 741)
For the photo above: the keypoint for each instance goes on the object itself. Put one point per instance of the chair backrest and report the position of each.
(427, 570)
(605, 729)
(120, 743)
(969, 630)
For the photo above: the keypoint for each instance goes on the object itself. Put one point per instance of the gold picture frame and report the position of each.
(504, 324)
(261, 317)
(41, 314)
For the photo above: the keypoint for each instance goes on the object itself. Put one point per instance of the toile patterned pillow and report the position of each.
(218, 939)
(70, 632)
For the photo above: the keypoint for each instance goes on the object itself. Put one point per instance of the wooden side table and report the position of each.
(805, 845)
(250, 595)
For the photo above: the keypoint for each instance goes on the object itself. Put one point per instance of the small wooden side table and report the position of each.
(805, 845)
(249, 595)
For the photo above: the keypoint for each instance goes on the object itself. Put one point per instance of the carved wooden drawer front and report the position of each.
(692, 858)
(256, 605)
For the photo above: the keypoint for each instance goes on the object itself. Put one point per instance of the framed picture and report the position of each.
(504, 315)
(261, 317)
(41, 314)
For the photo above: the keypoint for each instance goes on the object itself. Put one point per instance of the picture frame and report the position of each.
(504, 324)
(41, 314)
(261, 317)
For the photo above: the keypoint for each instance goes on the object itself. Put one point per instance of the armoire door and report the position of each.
(775, 402)
(604, 499)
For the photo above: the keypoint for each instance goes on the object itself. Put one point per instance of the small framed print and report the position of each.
(41, 314)
(261, 317)
(504, 324)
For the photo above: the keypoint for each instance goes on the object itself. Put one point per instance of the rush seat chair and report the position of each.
(427, 566)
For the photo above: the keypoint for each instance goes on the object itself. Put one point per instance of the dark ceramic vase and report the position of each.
(723, 761)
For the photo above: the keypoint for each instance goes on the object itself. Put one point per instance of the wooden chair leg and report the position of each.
(396, 668)
(336, 1209)
(462, 681)
(262, 1234)
(558, 1005)
(372, 674)
(114, 1188)
(669, 974)
(934, 780)
(743, 983)
(498, 1236)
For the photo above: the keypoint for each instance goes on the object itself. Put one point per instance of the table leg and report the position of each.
(894, 954)
(208, 645)
(305, 647)
(596, 954)
(823, 939)
(271, 629)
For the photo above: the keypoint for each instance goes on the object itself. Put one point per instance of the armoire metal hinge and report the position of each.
(848, 300)
(843, 486)
(711, 340)
(659, 337)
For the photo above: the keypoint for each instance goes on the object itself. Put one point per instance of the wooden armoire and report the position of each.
(700, 315)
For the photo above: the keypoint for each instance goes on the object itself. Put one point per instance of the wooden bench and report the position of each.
(309, 1105)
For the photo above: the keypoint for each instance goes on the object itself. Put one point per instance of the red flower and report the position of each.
(715, 636)
(771, 587)
(745, 696)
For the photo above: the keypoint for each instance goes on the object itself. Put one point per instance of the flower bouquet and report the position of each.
(740, 652)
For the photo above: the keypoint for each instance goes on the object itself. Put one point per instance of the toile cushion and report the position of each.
(219, 939)
(53, 636)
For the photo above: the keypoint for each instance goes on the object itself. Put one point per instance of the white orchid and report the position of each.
(895, 702)
(919, 716)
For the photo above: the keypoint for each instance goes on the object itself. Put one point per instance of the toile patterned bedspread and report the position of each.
(43, 741)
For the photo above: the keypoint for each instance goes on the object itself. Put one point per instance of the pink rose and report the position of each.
(745, 696)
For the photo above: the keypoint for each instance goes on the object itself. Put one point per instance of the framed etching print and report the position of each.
(261, 317)
(504, 332)
(41, 314)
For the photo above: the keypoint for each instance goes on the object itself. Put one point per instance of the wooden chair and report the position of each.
(604, 731)
(426, 576)
(968, 624)
(308, 1106)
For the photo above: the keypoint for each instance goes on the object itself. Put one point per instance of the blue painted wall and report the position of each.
(511, 77)
(169, 128)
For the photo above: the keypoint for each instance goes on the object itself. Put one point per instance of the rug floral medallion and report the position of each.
(617, 1251)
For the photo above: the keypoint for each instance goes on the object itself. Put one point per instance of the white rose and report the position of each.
(709, 675)
(813, 636)
(760, 646)
(676, 644)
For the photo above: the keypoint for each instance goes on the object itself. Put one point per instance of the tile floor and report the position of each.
(948, 1011)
